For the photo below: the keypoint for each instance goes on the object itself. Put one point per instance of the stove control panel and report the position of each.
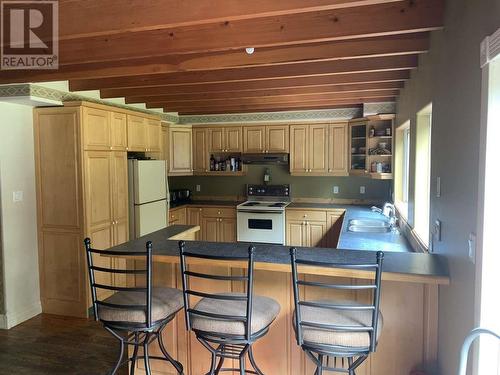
(268, 190)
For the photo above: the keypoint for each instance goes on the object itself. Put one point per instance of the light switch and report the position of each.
(17, 196)
(472, 247)
(198, 188)
(335, 190)
(362, 190)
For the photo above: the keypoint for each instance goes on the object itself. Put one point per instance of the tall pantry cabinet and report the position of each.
(82, 191)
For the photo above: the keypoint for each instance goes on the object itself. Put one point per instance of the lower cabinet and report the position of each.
(177, 216)
(217, 224)
(313, 228)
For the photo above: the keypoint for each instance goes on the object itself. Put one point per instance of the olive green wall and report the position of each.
(302, 187)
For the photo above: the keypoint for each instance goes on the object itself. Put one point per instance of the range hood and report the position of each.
(264, 158)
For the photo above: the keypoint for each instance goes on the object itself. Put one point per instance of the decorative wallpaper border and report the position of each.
(24, 90)
(327, 114)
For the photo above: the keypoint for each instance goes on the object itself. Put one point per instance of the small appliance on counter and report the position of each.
(179, 197)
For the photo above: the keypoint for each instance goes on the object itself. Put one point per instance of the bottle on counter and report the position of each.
(212, 163)
(388, 131)
(372, 132)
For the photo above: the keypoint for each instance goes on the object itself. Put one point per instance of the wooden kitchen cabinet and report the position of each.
(266, 138)
(181, 155)
(313, 228)
(218, 224)
(318, 149)
(137, 133)
(119, 141)
(177, 216)
(200, 150)
(165, 144)
(153, 134)
(278, 138)
(82, 191)
(96, 126)
(225, 139)
(337, 149)
(194, 217)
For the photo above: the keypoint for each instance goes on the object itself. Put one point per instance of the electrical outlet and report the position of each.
(472, 247)
(17, 196)
(335, 190)
(362, 190)
(198, 188)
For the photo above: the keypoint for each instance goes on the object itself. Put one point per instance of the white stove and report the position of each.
(262, 217)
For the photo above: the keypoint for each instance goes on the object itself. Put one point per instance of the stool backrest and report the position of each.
(374, 286)
(95, 286)
(189, 290)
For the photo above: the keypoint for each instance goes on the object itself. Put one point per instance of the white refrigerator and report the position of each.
(148, 196)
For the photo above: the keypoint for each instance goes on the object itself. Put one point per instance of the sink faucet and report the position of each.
(388, 211)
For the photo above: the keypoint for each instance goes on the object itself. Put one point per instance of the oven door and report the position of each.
(261, 226)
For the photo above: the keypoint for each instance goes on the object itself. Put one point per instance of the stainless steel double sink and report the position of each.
(369, 226)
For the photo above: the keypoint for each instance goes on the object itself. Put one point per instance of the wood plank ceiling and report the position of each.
(189, 56)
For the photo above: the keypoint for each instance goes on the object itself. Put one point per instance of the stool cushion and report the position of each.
(264, 311)
(341, 318)
(164, 302)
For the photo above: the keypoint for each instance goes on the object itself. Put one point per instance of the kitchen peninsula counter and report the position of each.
(409, 302)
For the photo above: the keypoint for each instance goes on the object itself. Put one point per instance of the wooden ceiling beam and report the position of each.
(376, 64)
(360, 87)
(276, 101)
(328, 51)
(260, 85)
(113, 16)
(347, 103)
(401, 17)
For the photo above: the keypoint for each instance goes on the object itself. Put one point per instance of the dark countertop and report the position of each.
(398, 266)
(392, 241)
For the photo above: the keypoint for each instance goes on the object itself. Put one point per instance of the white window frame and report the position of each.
(486, 358)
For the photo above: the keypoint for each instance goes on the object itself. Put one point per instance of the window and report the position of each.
(423, 174)
(402, 168)
(488, 256)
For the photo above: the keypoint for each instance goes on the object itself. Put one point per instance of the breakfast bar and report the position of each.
(409, 301)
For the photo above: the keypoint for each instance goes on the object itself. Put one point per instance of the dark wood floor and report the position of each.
(53, 345)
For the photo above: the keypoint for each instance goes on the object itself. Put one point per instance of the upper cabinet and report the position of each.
(371, 146)
(137, 133)
(119, 140)
(153, 134)
(96, 129)
(200, 150)
(318, 149)
(181, 157)
(266, 138)
(225, 139)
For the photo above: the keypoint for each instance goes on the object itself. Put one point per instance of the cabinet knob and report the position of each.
(126, 148)
(329, 170)
(200, 209)
(305, 215)
(218, 212)
(110, 147)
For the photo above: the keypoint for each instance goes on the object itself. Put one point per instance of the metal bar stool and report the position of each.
(337, 335)
(136, 316)
(227, 324)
